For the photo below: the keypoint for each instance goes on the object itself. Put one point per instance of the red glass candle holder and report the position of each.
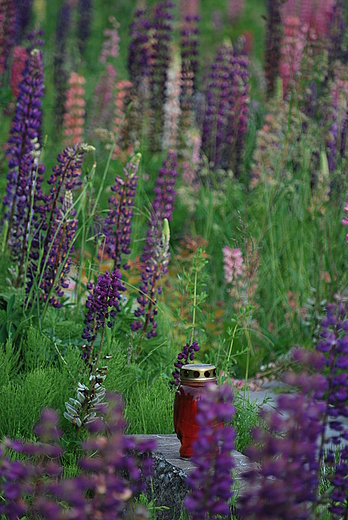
(193, 380)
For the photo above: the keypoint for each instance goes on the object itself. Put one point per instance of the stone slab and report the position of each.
(168, 487)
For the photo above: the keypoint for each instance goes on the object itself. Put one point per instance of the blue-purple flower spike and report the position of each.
(210, 483)
(102, 305)
(160, 60)
(117, 225)
(25, 174)
(55, 229)
(227, 108)
(155, 257)
(7, 32)
(187, 355)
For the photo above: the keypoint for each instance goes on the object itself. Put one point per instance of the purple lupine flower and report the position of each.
(117, 225)
(187, 354)
(160, 59)
(114, 468)
(333, 345)
(273, 44)
(7, 32)
(60, 71)
(286, 486)
(210, 483)
(85, 14)
(155, 257)
(55, 230)
(23, 189)
(139, 53)
(23, 16)
(189, 68)
(226, 113)
(102, 305)
(337, 32)
(337, 116)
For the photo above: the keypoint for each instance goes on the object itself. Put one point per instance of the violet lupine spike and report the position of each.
(160, 59)
(273, 44)
(103, 303)
(187, 354)
(85, 14)
(116, 471)
(155, 257)
(333, 345)
(226, 113)
(7, 33)
(286, 486)
(210, 483)
(55, 230)
(117, 224)
(60, 73)
(23, 16)
(25, 173)
(189, 67)
(139, 54)
(337, 33)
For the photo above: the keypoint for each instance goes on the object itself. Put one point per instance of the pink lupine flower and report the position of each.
(315, 14)
(233, 262)
(292, 49)
(74, 117)
(20, 56)
(235, 9)
(122, 99)
(111, 42)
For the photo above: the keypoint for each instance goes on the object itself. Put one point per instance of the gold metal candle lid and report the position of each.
(197, 372)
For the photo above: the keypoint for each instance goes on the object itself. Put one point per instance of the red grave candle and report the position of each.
(193, 380)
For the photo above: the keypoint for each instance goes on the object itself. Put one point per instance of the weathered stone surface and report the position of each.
(168, 487)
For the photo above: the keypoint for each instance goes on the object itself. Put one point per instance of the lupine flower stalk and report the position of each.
(74, 111)
(102, 305)
(337, 33)
(314, 14)
(210, 483)
(293, 44)
(7, 32)
(155, 257)
(111, 42)
(139, 55)
(23, 16)
(114, 468)
(85, 14)
(286, 486)
(160, 60)
(25, 174)
(273, 44)
(189, 68)
(121, 126)
(235, 9)
(338, 115)
(55, 229)
(101, 116)
(227, 108)
(60, 73)
(233, 262)
(117, 225)
(185, 356)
